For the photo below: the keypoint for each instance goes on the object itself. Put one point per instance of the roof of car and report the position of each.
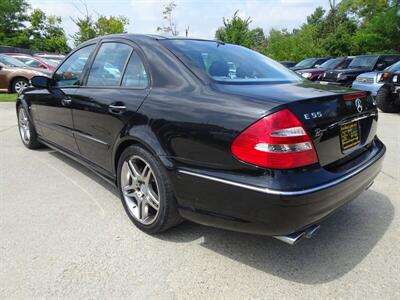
(136, 36)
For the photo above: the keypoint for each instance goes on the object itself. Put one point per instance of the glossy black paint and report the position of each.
(189, 121)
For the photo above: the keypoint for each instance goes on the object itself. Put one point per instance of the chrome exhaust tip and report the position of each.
(293, 238)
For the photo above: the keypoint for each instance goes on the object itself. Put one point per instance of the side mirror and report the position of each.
(380, 66)
(317, 65)
(40, 82)
(1, 67)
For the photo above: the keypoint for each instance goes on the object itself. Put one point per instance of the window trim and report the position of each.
(84, 70)
(135, 49)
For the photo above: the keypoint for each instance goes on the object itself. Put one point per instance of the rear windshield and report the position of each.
(393, 68)
(11, 62)
(331, 63)
(229, 63)
(306, 63)
(363, 62)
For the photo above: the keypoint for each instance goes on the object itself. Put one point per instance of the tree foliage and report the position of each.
(237, 31)
(20, 27)
(170, 27)
(89, 28)
(349, 27)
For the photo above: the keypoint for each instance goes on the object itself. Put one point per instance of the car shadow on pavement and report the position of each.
(343, 241)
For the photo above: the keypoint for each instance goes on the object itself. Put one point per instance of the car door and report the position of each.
(53, 105)
(116, 85)
(3, 78)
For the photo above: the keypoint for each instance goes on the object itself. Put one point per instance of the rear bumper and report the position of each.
(223, 203)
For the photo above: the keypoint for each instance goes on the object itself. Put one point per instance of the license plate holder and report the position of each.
(349, 135)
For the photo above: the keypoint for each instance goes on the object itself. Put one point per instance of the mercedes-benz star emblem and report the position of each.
(359, 105)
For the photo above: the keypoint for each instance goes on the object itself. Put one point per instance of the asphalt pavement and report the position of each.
(64, 234)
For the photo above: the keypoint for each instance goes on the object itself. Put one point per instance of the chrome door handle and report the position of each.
(116, 109)
(66, 101)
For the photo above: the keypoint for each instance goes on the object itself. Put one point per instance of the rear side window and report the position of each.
(70, 72)
(135, 75)
(229, 63)
(108, 66)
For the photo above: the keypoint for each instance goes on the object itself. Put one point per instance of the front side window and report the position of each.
(71, 70)
(230, 63)
(108, 66)
(135, 75)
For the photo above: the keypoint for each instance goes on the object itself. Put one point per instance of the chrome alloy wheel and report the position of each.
(140, 190)
(24, 129)
(20, 85)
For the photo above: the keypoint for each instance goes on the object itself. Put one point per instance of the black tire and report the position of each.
(386, 101)
(17, 82)
(168, 215)
(30, 142)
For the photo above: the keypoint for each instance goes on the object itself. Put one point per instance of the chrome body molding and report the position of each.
(287, 193)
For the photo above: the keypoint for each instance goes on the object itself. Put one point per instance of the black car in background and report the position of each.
(388, 96)
(206, 131)
(309, 63)
(360, 64)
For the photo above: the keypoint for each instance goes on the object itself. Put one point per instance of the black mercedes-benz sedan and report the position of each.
(205, 131)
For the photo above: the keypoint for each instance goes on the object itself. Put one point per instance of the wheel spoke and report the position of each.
(146, 173)
(134, 172)
(143, 210)
(152, 199)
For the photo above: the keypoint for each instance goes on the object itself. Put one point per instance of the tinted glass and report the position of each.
(29, 61)
(394, 68)
(389, 60)
(11, 62)
(306, 63)
(226, 62)
(71, 70)
(109, 64)
(363, 62)
(135, 74)
(331, 63)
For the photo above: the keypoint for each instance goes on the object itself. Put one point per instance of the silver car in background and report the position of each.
(371, 81)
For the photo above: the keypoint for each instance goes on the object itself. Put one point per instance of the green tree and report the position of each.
(170, 28)
(237, 31)
(13, 16)
(110, 25)
(380, 34)
(46, 33)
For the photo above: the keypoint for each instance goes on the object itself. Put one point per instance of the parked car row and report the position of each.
(364, 72)
(16, 69)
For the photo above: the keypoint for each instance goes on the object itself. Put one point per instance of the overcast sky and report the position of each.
(202, 16)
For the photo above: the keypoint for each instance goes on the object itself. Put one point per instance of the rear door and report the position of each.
(115, 87)
(53, 106)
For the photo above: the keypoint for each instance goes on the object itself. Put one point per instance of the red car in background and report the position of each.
(331, 64)
(34, 61)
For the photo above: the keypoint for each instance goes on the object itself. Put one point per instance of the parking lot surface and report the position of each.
(64, 234)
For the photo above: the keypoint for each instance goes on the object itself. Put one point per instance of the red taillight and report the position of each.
(278, 141)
